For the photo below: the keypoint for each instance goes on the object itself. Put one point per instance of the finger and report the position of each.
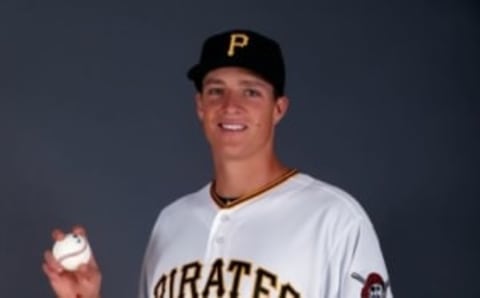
(57, 234)
(87, 273)
(50, 272)
(80, 230)
(52, 263)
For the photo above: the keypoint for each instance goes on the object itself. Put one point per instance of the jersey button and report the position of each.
(220, 239)
(225, 218)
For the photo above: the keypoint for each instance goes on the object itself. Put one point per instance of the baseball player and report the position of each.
(259, 228)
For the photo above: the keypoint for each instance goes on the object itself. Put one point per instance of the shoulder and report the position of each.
(182, 207)
(187, 203)
(327, 198)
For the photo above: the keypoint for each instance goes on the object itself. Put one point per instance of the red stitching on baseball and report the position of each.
(73, 254)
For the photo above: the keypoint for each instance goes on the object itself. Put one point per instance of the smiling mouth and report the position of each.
(232, 127)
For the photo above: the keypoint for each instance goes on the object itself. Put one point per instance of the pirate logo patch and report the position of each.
(373, 285)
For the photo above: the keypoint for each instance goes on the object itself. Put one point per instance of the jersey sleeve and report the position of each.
(142, 286)
(362, 269)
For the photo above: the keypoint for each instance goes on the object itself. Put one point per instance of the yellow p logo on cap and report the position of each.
(237, 40)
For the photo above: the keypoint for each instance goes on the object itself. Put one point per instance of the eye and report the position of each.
(214, 91)
(250, 92)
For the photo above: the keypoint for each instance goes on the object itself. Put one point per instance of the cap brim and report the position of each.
(198, 71)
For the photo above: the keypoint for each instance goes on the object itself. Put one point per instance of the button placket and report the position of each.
(223, 226)
(218, 238)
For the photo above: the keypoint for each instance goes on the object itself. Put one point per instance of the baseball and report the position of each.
(72, 251)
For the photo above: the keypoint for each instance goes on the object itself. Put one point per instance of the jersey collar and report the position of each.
(222, 204)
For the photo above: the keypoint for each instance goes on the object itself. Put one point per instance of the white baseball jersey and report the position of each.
(297, 237)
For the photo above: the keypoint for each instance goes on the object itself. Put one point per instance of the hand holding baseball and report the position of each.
(71, 267)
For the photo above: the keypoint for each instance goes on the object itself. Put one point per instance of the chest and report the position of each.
(249, 251)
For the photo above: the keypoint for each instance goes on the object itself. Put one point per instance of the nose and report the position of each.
(231, 102)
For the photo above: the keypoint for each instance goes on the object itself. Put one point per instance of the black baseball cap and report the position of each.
(243, 48)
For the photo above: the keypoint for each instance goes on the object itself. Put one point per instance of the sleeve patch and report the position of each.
(373, 286)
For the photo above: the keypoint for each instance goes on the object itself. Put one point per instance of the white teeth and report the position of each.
(233, 127)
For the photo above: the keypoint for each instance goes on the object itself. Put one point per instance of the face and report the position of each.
(238, 112)
(376, 291)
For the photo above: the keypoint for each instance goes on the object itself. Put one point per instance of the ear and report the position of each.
(199, 106)
(280, 108)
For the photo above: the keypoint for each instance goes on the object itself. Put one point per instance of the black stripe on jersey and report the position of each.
(222, 203)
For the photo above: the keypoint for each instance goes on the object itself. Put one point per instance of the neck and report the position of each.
(237, 178)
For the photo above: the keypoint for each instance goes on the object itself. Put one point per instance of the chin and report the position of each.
(230, 153)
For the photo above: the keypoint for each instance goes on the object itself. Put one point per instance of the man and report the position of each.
(260, 228)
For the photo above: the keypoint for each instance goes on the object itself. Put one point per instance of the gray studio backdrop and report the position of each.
(97, 126)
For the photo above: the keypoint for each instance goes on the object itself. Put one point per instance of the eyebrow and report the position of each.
(253, 83)
(213, 81)
(242, 82)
